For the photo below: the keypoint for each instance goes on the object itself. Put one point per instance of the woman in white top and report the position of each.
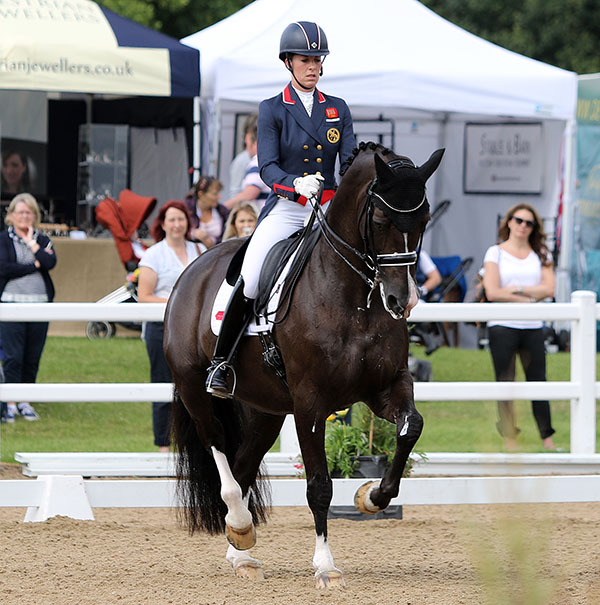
(160, 267)
(519, 269)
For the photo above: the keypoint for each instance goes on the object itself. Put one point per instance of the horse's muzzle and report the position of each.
(399, 305)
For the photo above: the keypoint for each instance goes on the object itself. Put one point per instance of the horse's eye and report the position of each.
(380, 220)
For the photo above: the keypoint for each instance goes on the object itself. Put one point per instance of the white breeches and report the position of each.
(285, 218)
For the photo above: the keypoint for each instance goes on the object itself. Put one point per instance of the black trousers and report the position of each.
(159, 372)
(23, 343)
(505, 343)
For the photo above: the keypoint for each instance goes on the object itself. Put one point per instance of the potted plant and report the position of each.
(361, 449)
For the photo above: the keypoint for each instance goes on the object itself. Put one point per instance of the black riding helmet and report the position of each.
(303, 38)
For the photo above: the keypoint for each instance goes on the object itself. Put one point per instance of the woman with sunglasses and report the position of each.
(519, 269)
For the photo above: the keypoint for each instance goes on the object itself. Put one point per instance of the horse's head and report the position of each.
(397, 212)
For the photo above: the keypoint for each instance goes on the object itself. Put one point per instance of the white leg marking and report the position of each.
(368, 502)
(322, 560)
(238, 516)
(404, 429)
(240, 557)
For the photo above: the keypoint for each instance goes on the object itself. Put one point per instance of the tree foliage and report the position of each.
(176, 18)
(560, 32)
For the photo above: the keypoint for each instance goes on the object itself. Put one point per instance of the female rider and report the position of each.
(301, 132)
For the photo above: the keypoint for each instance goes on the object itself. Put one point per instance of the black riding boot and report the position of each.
(237, 315)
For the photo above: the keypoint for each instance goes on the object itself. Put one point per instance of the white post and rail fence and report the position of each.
(582, 390)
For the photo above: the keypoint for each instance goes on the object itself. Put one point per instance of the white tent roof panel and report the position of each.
(383, 53)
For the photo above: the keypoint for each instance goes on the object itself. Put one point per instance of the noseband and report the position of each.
(370, 257)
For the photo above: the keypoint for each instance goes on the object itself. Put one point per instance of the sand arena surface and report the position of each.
(442, 555)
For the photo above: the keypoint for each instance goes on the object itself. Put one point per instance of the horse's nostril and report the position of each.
(393, 304)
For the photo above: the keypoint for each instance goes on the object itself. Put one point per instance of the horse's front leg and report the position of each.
(319, 491)
(398, 406)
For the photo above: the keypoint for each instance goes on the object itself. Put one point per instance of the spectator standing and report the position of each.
(26, 258)
(239, 164)
(519, 269)
(241, 221)
(253, 187)
(160, 267)
(207, 215)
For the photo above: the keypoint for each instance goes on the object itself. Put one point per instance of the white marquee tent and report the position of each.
(413, 81)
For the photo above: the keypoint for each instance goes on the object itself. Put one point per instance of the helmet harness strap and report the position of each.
(288, 66)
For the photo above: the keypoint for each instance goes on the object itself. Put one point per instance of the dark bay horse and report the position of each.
(340, 343)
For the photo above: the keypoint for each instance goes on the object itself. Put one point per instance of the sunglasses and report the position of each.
(520, 221)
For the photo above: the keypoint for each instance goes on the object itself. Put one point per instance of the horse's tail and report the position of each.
(198, 481)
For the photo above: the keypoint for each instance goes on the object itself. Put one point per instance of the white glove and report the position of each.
(309, 185)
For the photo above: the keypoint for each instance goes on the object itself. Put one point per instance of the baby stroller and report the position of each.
(452, 289)
(123, 218)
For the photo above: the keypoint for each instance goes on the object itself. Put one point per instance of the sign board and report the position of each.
(503, 158)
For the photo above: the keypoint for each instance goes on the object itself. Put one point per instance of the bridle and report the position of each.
(372, 260)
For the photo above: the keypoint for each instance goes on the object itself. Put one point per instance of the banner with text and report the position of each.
(585, 269)
(503, 158)
(69, 45)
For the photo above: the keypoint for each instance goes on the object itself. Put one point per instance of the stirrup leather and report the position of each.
(220, 366)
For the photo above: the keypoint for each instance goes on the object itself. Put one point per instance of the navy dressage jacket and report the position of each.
(292, 144)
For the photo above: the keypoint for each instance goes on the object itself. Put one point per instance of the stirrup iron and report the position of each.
(225, 367)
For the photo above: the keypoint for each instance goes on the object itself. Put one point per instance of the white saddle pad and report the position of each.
(259, 324)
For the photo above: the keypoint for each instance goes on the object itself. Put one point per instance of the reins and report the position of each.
(370, 257)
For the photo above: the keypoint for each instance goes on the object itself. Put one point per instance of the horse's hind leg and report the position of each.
(396, 406)
(214, 497)
(261, 431)
(239, 527)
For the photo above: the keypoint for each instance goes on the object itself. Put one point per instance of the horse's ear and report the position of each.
(430, 166)
(382, 169)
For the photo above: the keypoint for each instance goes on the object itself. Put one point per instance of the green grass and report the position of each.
(127, 427)
(470, 426)
(73, 427)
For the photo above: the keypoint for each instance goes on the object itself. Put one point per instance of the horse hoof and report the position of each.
(250, 570)
(242, 539)
(330, 579)
(362, 498)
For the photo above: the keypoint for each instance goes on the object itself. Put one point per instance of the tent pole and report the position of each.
(563, 290)
(197, 143)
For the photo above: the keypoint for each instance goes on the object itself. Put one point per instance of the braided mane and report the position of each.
(363, 146)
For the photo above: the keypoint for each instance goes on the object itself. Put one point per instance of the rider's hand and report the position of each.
(309, 185)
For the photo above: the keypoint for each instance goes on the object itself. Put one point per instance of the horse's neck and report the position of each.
(343, 218)
(346, 206)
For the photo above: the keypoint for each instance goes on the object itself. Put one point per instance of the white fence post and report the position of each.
(583, 372)
(288, 439)
(62, 495)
